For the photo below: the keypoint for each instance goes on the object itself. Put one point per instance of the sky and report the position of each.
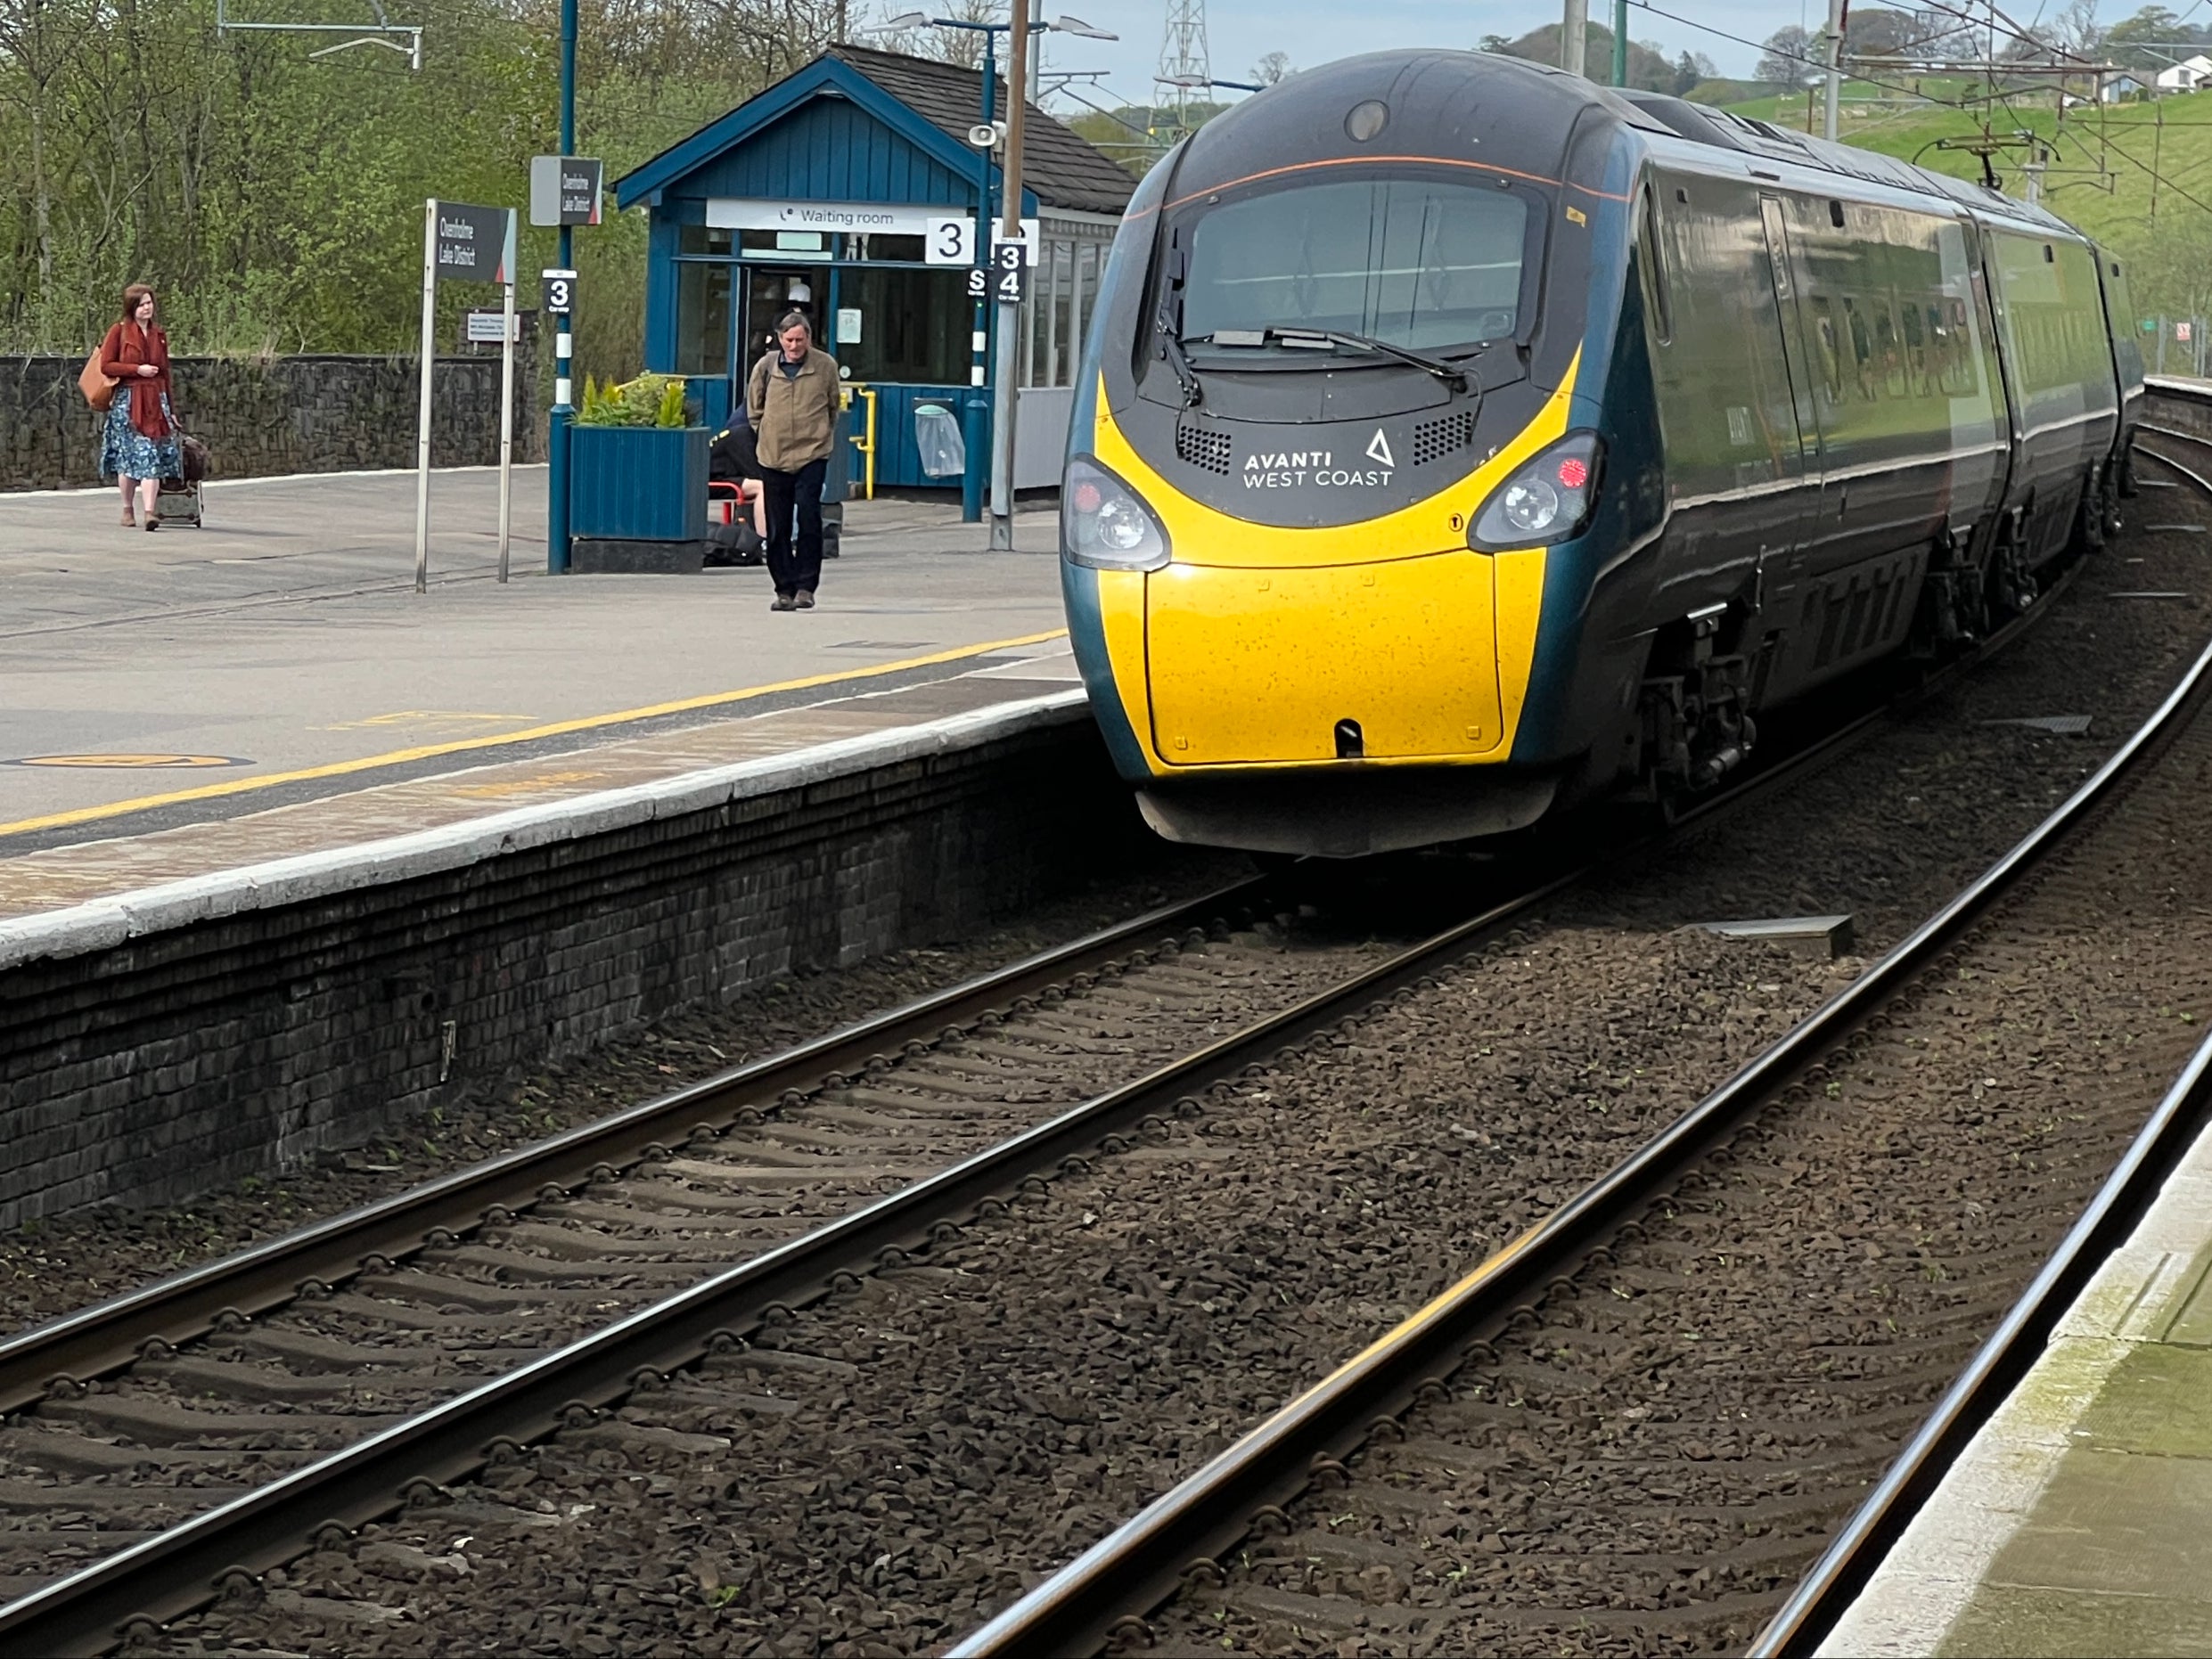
(1239, 32)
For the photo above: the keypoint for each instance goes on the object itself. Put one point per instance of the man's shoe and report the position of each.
(783, 601)
(806, 599)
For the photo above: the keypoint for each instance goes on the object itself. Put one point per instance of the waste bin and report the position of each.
(944, 453)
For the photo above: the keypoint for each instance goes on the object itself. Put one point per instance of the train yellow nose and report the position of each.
(1386, 661)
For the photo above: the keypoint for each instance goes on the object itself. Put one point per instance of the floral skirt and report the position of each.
(127, 452)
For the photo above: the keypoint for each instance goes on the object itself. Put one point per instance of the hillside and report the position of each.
(2136, 175)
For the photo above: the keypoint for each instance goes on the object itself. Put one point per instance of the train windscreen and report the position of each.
(1428, 264)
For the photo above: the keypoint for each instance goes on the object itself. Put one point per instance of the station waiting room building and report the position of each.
(819, 194)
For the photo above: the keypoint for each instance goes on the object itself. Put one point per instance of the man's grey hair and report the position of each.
(791, 320)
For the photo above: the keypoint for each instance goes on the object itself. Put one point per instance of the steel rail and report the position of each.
(180, 1569)
(169, 1575)
(1851, 1559)
(110, 1335)
(177, 1570)
(2190, 473)
(1137, 1565)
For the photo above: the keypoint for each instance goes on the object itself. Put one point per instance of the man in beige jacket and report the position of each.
(792, 397)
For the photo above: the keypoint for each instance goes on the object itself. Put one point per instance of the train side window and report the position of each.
(1915, 348)
(1824, 343)
(1862, 351)
(1655, 272)
(1888, 355)
(1958, 348)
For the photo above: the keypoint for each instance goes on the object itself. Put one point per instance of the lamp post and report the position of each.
(985, 363)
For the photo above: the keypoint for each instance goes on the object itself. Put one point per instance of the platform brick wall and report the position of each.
(2189, 414)
(265, 416)
(182, 1059)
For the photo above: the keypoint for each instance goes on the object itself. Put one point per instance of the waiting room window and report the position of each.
(702, 319)
(913, 325)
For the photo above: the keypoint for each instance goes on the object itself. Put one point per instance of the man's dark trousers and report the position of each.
(794, 569)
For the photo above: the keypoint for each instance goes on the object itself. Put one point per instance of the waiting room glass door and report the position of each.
(769, 292)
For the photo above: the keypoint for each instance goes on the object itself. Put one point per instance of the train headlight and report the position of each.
(1549, 500)
(1103, 523)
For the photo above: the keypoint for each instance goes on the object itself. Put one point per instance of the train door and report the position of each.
(1782, 552)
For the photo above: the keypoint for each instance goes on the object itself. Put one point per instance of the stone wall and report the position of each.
(139, 1070)
(262, 416)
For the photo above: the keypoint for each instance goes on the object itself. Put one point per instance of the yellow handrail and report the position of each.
(865, 446)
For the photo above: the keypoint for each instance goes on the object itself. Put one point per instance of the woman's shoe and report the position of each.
(152, 523)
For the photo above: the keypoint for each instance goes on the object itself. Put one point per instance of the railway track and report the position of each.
(312, 1383)
(1636, 1426)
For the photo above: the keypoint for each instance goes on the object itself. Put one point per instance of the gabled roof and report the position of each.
(1062, 169)
(931, 104)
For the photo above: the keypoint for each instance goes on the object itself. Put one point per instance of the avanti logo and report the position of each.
(1380, 450)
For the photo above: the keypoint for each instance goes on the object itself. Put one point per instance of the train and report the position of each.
(1458, 441)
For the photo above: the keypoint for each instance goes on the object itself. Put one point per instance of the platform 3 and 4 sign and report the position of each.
(1006, 279)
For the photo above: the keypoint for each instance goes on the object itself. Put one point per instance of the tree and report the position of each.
(1648, 67)
(1881, 32)
(1788, 58)
(276, 198)
(1271, 70)
(2152, 40)
(1123, 134)
(1691, 69)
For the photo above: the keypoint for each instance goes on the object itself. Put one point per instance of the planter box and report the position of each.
(638, 484)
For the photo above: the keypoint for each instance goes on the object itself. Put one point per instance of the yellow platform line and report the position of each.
(430, 751)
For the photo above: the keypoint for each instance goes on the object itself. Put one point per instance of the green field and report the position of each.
(2136, 175)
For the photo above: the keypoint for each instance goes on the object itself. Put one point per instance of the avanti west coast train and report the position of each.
(1457, 440)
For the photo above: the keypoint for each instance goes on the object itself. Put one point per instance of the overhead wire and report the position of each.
(1797, 57)
(2006, 28)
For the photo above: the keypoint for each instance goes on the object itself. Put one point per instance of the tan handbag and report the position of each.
(99, 389)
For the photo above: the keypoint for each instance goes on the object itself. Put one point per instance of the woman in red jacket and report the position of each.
(140, 448)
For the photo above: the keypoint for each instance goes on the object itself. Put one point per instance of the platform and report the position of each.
(336, 853)
(155, 684)
(2080, 1520)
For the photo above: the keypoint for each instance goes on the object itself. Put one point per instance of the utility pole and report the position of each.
(1839, 17)
(1573, 28)
(1003, 390)
(558, 419)
(1620, 43)
(974, 406)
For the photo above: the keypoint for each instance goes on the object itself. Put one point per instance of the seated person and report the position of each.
(735, 459)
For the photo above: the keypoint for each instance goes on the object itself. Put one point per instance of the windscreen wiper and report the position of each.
(1453, 374)
(1171, 348)
(1167, 321)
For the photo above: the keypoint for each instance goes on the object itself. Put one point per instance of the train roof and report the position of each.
(1479, 100)
(1701, 123)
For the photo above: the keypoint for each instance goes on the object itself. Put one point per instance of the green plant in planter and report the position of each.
(650, 400)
